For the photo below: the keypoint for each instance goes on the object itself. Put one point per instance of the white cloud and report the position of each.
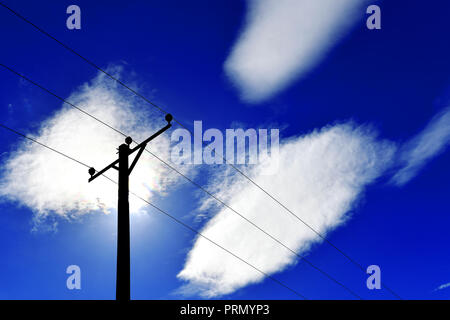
(321, 177)
(284, 39)
(52, 186)
(442, 286)
(424, 146)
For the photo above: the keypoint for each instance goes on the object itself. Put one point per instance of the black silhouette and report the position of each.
(123, 211)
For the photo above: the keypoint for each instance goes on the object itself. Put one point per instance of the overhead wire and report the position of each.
(183, 126)
(163, 212)
(190, 180)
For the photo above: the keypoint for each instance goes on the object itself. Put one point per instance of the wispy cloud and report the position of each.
(321, 177)
(442, 286)
(423, 147)
(284, 39)
(52, 186)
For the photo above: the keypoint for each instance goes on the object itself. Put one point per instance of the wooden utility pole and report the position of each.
(123, 208)
(123, 228)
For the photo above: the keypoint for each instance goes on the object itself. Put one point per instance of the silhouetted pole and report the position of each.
(123, 209)
(123, 228)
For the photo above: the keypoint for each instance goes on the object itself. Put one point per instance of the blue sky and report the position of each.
(395, 79)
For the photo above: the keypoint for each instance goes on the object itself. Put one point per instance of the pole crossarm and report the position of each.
(150, 138)
(139, 147)
(136, 158)
(112, 165)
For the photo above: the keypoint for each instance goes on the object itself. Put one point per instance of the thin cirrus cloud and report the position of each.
(443, 286)
(53, 186)
(323, 174)
(423, 147)
(284, 39)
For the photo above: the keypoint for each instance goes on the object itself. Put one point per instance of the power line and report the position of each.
(85, 59)
(191, 181)
(58, 97)
(43, 145)
(183, 126)
(162, 211)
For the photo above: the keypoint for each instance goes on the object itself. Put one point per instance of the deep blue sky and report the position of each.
(396, 78)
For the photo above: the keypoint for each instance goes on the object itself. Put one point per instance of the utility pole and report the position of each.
(123, 209)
